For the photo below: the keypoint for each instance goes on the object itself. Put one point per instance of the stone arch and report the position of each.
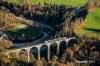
(72, 41)
(23, 54)
(53, 49)
(44, 51)
(33, 52)
(62, 47)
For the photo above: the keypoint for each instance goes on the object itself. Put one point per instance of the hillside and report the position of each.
(15, 27)
(91, 26)
(6, 20)
(65, 2)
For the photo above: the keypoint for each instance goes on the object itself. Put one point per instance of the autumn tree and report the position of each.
(4, 60)
(67, 25)
(97, 3)
(90, 5)
(24, 2)
(4, 44)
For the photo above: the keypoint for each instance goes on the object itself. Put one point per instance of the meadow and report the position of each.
(59, 2)
(91, 25)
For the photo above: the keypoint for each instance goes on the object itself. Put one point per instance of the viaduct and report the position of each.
(38, 47)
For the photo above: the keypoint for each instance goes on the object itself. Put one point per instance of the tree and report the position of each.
(5, 60)
(4, 44)
(97, 3)
(90, 5)
(67, 25)
(54, 61)
(63, 58)
(24, 2)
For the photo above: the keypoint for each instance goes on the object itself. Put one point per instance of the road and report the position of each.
(45, 35)
(38, 23)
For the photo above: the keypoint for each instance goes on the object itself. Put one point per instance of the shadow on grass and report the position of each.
(92, 29)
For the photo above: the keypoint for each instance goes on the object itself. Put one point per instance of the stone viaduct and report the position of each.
(38, 46)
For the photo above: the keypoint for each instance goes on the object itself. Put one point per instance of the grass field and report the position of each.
(65, 2)
(91, 26)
